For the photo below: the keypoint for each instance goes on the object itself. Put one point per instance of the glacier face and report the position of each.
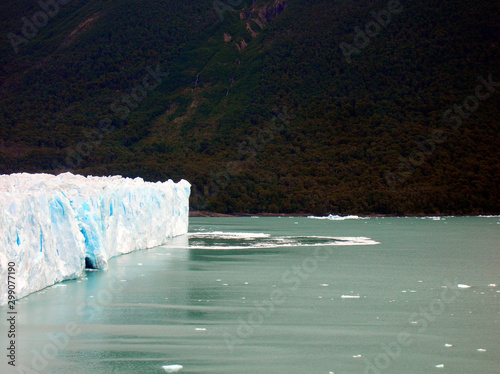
(53, 227)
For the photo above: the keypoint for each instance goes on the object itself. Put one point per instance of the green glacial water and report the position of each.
(279, 295)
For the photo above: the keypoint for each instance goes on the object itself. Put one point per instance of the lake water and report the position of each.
(279, 295)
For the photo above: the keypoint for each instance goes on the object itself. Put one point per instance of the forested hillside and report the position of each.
(289, 106)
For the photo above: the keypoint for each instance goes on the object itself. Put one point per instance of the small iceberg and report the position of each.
(332, 217)
(439, 366)
(447, 345)
(350, 297)
(172, 368)
(460, 285)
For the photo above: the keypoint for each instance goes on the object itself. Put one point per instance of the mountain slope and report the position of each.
(278, 106)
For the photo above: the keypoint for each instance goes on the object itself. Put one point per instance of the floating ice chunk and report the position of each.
(228, 235)
(200, 329)
(324, 285)
(481, 350)
(332, 217)
(447, 345)
(245, 240)
(492, 285)
(172, 368)
(350, 297)
(357, 356)
(460, 285)
(440, 366)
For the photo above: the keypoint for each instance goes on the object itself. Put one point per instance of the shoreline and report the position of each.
(204, 213)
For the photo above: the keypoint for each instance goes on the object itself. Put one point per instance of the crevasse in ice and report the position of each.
(53, 227)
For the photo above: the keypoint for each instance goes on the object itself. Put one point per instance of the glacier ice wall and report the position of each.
(53, 227)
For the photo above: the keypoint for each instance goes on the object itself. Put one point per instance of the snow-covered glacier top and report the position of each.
(53, 227)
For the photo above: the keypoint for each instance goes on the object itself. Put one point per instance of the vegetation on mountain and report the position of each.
(290, 106)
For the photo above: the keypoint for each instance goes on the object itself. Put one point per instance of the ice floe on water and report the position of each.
(246, 240)
(350, 297)
(336, 217)
(228, 235)
(433, 218)
(172, 368)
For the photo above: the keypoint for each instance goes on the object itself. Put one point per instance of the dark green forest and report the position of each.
(279, 106)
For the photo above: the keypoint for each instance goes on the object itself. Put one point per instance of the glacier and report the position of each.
(55, 227)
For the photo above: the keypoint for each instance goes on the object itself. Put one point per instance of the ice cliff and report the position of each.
(53, 227)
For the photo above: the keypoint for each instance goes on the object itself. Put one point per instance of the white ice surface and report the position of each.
(336, 217)
(244, 240)
(51, 226)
